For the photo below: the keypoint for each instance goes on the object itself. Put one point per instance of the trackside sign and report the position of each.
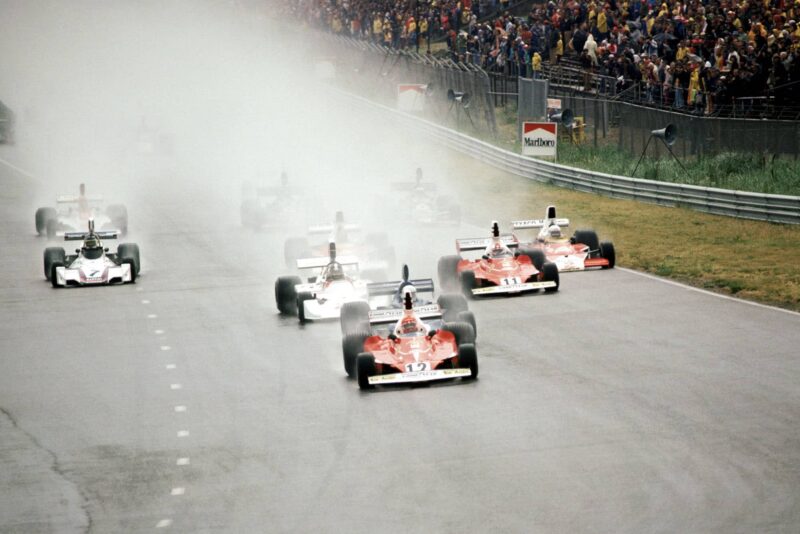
(539, 138)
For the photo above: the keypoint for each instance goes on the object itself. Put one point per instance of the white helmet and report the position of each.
(410, 291)
(554, 231)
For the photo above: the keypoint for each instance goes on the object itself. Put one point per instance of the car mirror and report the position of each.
(105, 249)
(77, 251)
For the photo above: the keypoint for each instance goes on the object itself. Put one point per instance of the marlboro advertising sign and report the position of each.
(539, 138)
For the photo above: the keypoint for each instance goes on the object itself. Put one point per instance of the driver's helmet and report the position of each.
(334, 271)
(498, 249)
(409, 290)
(554, 232)
(92, 248)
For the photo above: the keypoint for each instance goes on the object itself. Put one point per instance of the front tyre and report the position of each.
(301, 306)
(354, 317)
(53, 255)
(352, 346)
(550, 274)
(42, 216)
(468, 359)
(365, 365)
(286, 295)
(130, 251)
(607, 251)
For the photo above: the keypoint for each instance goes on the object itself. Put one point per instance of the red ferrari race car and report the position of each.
(580, 252)
(411, 350)
(499, 270)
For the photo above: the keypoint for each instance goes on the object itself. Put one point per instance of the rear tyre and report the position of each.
(451, 304)
(469, 318)
(607, 251)
(51, 256)
(295, 248)
(463, 332)
(352, 346)
(536, 255)
(129, 261)
(448, 275)
(301, 305)
(468, 358)
(550, 273)
(467, 279)
(365, 365)
(53, 278)
(130, 251)
(42, 216)
(50, 228)
(588, 238)
(354, 317)
(286, 295)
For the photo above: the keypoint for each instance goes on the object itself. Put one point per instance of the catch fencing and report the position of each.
(742, 204)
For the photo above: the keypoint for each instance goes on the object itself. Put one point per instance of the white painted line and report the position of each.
(177, 491)
(164, 523)
(165, 347)
(183, 433)
(707, 292)
(182, 461)
(175, 386)
(180, 409)
(170, 366)
(138, 289)
(145, 302)
(152, 316)
(20, 170)
(158, 332)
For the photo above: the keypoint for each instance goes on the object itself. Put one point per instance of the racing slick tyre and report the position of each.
(448, 276)
(286, 295)
(301, 305)
(607, 252)
(352, 346)
(129, 261)
(469, 318)
(550, 271)
(50, 228)
(588, 238)
(42, 216)
(51, 256)
(118, 214)
(53, 278)
(537, 257)
(295, 248)
(467, 279)
(365, 365)
(130, 251)
(451, 304)
(354, 317)
(463, 332)
(468, 358)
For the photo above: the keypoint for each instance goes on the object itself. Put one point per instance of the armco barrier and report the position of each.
(742, 204)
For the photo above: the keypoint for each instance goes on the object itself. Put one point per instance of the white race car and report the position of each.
(91, 264)
(323, 295)
(73, 213)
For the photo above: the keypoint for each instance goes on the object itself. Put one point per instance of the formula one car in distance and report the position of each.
(373, 250)
(72, 213)
(412, 350)
(273, 206)
(499, 270)
(92, 264)
(580, 252)
(338, 281)
(422, 204)
(390, 295)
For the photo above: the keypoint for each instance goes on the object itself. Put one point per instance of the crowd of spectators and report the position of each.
(697, 54)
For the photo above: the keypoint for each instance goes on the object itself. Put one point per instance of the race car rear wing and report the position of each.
(80, 236)
(538, 223)
(382, 289)
(322, 261)
(480, 243)
(429, 311)
(71, 199)
(328, 228)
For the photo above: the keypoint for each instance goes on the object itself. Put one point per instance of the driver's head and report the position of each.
(409, 296)
(335, 271)
(92, 247)
(554, 231)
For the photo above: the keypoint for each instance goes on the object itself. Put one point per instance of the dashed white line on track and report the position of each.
(164, 523)
(145, 301)
(182, 461)
(180, 408)
(177, 491)
(175, 386)
(165, 347)
(170, 366)
(158, 332)
(152, 316)
(183, 433)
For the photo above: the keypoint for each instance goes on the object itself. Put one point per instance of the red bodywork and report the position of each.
(501, 271)
(394, 356)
